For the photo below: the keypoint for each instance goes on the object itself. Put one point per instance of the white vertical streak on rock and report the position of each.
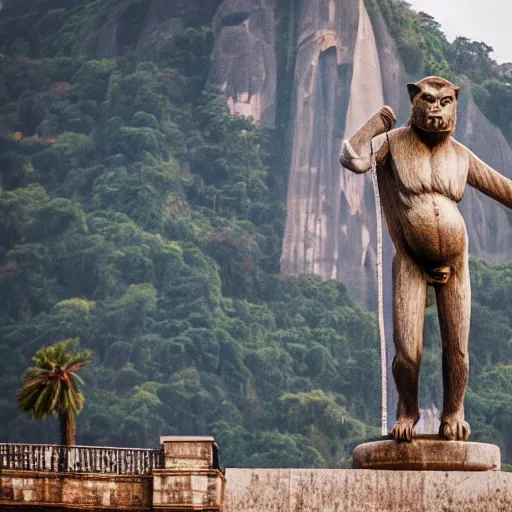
(366, 97)
(332, 11)
(298, 209)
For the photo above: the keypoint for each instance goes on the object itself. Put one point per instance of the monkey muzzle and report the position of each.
(436, 123)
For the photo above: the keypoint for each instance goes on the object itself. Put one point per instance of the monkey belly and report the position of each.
(434, 229)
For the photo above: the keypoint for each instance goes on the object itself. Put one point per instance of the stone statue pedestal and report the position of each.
(427, 453)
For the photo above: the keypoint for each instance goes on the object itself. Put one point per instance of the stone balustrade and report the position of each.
(184, 474)
(79, 459)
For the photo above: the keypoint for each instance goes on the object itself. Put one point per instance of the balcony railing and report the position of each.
(79, 459)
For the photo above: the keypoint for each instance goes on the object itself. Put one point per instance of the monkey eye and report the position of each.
(446, 101)
(429, 98)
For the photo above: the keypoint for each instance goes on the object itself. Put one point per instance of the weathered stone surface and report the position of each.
(188, 489)
(188, 452)
(326, 490)
(160, 27)
(428, 453)
(164, 489)
(325, 40)
(191, 479)
(244, 65)
(74, 490)
(338, 83)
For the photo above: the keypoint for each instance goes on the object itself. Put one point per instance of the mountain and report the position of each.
(139, 213)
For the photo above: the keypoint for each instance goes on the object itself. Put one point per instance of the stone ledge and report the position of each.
(357, 490)
(66, 475)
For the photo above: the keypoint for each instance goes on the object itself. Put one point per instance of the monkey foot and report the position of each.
(454, 429)
(404, 429)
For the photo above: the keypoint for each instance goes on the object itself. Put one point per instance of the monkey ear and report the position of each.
(413, 90)
(457, 90)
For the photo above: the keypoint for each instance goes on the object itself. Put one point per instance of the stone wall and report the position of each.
(75, 491)
(325, 490)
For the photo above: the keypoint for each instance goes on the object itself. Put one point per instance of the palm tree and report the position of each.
(52, 386)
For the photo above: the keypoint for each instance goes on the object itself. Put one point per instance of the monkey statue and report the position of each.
(422, 173)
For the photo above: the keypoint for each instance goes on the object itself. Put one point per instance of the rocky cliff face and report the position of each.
(336, 55)
(345, 67)
(245, 57)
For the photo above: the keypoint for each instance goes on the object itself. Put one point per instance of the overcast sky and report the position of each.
(488, 21)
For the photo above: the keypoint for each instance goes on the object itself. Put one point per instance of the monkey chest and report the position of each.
(419, 170)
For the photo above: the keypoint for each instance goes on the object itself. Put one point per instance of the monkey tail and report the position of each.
(380, 297)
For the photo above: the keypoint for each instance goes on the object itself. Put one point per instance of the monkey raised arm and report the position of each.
(354, 153)
(484, 178)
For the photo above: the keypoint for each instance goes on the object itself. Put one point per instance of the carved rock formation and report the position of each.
(338, 86)
(244, 58)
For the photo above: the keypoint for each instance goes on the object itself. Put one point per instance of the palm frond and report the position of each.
(42, 404)
(56, 396)
(76, 378)
(77, 365)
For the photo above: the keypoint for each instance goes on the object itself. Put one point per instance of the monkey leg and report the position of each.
(409, 298)
(454, 310)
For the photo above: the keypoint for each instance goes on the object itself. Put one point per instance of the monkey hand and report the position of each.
(359, 144)
(381, 122)
(388, 117)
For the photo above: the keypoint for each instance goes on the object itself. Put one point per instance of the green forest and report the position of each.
(137, 215)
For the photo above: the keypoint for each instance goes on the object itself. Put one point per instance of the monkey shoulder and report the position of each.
(463, 153)
(452, 163)
(401, 133)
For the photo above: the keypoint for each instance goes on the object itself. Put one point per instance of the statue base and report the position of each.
(427, 453)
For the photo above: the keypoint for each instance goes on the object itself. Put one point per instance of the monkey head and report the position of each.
(434, 105)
